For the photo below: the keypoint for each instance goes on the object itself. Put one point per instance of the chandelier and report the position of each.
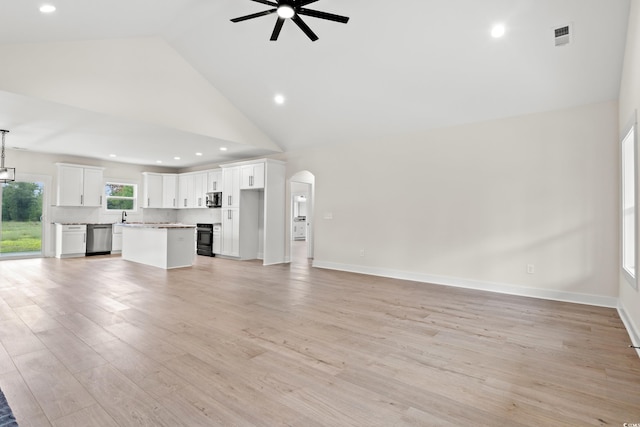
(6, 174)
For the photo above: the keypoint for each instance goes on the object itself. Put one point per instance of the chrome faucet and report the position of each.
(124, 216)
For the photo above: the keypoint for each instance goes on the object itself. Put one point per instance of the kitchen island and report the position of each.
(159, 245)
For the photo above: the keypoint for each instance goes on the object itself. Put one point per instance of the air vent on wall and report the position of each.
(562, 35)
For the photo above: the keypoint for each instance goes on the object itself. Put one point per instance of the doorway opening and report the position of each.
(21, 219)
(301, 191)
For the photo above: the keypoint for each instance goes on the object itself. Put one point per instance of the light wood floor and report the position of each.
(103, 342)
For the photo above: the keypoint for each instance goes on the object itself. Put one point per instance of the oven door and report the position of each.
(204, 241)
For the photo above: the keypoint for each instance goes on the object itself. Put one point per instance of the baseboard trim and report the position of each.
(634, 333)
(503, 288)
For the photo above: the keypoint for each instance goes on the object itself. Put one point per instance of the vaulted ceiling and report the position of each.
(149, 80)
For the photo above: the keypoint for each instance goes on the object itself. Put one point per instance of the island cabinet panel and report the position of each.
(162, 246)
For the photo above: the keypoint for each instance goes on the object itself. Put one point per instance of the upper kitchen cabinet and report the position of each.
(153, 192)
(214, 181)
(80, 185)
(169, 190)
(192, 189)
(252, 176)
(231, 187)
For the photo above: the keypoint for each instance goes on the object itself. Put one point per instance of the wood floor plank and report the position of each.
(25, 407)
(148, 374)
(93, 416)
(102, 341)
(124, 401)
(75, 354)
(54, 387)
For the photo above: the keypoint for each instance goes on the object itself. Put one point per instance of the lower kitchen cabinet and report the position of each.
(71, 240)
(116, 239)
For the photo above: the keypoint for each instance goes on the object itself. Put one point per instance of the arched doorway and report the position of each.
(301, 201)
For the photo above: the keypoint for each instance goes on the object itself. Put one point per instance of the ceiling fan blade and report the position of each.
(277, 28)
(254, 15)
(267, 2)
(323, 15)
(304, 27)
(302, 3)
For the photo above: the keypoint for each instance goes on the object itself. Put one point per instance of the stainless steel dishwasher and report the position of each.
(99, 239)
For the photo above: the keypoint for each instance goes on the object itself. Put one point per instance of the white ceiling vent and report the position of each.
(562, 35)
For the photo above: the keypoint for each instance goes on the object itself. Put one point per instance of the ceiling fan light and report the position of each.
(285, 11)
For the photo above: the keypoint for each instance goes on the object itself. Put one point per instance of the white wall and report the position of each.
(629, 104)
(474, 205)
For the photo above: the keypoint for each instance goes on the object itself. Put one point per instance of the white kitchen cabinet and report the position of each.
(80, 185)
(192, 189)
(153, 193)
(71, 240)
(200, 190)
(186, 184)
(231, 187)
(116, 239)
(169, 190)
(252, 176)
(230, 232)
(214, 181)
(260, 233)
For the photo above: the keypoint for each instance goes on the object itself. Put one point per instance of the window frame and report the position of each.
(629, 152)
(134, 198)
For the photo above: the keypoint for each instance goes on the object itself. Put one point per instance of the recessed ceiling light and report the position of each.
(198, 154)
(112, 155)
(158, 161)
(279, 99)
(497, 31)
(47, 8)
(223, 148)
(176, 158)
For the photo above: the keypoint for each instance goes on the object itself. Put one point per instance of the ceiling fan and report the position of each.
(292, 9)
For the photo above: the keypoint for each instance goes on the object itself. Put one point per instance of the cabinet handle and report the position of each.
(84, 238)
(100, 200)
(185, 203)
(148, 201)
(174, 202)
(199, 201)
(81, 199)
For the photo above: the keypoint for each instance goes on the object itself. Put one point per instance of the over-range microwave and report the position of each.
(214, 200)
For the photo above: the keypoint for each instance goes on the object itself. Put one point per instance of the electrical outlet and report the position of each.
(361, 252)
(531, 268)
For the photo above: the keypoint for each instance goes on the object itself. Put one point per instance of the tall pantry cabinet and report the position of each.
(253, 210)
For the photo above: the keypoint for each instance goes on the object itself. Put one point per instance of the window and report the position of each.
(121, 197)
(629, 205)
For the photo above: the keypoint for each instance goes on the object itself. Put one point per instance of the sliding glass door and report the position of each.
(21, 219)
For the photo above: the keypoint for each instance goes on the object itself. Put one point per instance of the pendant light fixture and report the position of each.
(6, 174)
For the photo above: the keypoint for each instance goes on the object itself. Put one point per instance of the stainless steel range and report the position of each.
(204, 239)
